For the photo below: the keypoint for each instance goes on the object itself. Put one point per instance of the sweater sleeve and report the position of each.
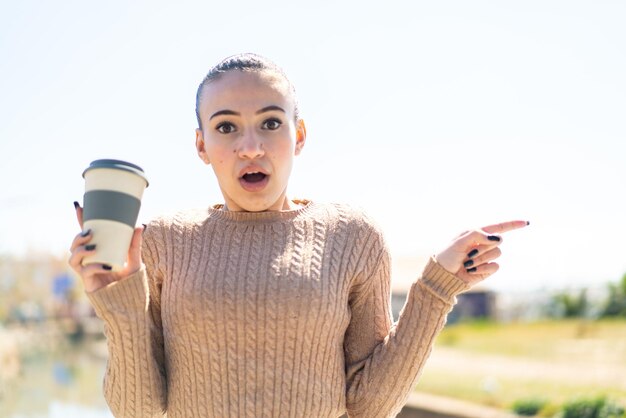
(384, 360)
(135, 383)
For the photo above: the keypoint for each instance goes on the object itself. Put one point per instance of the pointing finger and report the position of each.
(505, 227)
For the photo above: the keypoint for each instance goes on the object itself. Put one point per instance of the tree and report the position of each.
(570, 306)
(616, 303)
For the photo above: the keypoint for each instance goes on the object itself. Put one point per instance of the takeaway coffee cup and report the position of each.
(113, 192)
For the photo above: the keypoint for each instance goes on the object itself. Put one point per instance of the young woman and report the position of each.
(263, 306)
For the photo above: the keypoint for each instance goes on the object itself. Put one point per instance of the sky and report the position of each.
(436, 117)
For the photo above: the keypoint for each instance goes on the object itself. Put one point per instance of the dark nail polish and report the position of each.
(85, 233)
(90, 247)
(472, 253)
(468, 263)
(473, 269)
(493, 238)
(107, 267)
(76, 205)
(527, 222)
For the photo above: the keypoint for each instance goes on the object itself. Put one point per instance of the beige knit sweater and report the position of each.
(267, 314)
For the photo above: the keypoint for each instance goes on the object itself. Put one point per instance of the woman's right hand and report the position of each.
(96, 276)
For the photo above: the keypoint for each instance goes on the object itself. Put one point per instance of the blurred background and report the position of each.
(435, 117)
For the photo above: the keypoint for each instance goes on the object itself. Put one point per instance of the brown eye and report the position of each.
(272, 124)
(225, 128)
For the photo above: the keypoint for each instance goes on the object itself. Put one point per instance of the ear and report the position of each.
(300, 136)
(200, 147)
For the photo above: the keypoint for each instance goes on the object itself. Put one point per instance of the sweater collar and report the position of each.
(217, 212)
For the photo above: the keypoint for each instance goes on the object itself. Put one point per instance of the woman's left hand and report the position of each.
(470, 256)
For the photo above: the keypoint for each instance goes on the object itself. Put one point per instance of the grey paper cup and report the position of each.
(113, 193)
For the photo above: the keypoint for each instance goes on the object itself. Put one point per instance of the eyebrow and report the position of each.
(270, 108)
(233, 113)
(224, 112)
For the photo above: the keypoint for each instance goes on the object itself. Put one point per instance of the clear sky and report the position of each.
(433, 116)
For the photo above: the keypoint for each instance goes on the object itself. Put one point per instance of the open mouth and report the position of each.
(254, 177)
(254, 182)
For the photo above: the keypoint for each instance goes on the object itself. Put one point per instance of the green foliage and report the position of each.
(583, 408)
(592, 408)
(529, 407)
(616, 304)
(611, 410)
(571, 306)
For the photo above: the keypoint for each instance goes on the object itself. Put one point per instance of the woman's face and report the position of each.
(250, 138)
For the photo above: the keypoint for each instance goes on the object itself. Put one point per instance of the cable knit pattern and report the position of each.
(267, 314)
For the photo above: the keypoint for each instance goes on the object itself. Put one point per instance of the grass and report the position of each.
(499, 364)
(546, 340)
(503, 393)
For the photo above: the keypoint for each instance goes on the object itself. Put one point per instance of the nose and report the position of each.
(250, 146)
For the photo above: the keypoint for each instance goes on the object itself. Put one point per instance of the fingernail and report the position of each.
(468, 263)
(90, 247)
(76, 205)
(527, 222)
(107, 267)
(85, 233)
(472, 253)
(493, 238)
(473, 269)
